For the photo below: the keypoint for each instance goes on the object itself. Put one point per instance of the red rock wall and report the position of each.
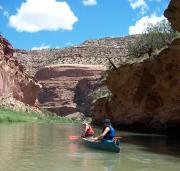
(146, 93)
(14, 82)
(62, 88)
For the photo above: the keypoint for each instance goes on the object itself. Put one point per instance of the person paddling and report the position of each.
(87, 130)
(107, 132)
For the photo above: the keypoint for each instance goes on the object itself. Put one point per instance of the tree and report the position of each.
(154, 38)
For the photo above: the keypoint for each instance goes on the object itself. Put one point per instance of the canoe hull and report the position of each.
(107, 146)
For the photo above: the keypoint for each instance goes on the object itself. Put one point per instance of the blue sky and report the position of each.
(35, 24)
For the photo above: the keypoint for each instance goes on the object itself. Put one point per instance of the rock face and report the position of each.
(91, 52)
(146, 94)
(173, 14)
(63, 87)
(66, 88)
(14, 82)
(83, 91)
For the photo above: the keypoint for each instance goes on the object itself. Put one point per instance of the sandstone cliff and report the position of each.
(91, 52)
(66, 87)
(146, 94)
(14, 82)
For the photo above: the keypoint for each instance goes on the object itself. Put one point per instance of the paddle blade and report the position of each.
(118, 137)
(74, 138)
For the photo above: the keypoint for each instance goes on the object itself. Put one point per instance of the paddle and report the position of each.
(74, 137)
(119, 137)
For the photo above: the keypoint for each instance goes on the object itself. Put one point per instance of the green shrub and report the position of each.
(154, 38)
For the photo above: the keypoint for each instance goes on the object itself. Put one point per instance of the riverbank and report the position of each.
(7, 115)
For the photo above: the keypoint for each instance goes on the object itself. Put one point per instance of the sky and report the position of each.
(40, 24)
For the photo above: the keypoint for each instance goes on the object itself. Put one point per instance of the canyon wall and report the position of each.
(91, 52)
(146, 94)
(14, 81)
(65, 88)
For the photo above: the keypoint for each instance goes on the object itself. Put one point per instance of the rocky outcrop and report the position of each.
(173, 14)
(16, 105)
(146, 94)
(63, 91)
(14, 82)
(91, 52)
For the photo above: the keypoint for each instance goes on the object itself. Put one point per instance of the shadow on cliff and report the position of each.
(47, 94)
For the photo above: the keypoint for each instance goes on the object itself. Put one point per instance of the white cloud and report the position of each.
(142, 24)
(139, 4)
(43, 46)
(1, 8)
(89, 2)
(38, 15)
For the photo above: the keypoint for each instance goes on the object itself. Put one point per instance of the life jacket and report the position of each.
(89, 131)
(110, 134)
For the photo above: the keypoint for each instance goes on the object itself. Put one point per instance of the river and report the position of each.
(46, 147)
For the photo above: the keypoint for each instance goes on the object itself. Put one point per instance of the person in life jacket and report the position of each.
(107, 132)
(87, 130)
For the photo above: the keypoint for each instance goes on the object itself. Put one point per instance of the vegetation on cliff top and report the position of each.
(155, 38)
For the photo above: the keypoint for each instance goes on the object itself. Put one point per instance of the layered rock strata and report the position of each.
(60, 92)
(91, 52)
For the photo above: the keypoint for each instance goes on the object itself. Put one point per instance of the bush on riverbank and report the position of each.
(7, 115)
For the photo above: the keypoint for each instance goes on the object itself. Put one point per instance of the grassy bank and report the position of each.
(7, 115)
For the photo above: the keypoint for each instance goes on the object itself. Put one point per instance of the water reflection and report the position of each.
(46, 147)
